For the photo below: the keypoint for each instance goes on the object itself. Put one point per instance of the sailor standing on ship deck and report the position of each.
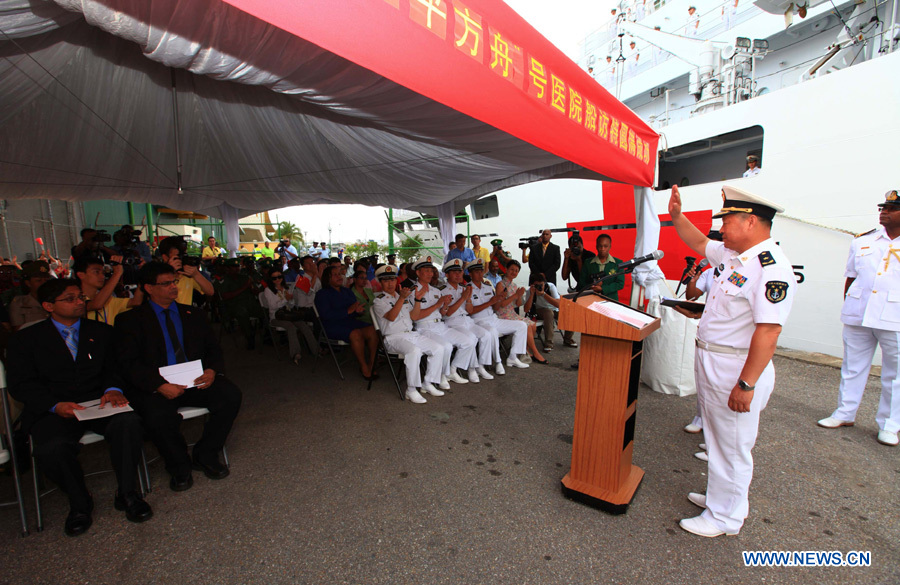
(736, 339)
(752, 166)
(871, 317)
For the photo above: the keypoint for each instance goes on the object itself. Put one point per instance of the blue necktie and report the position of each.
(71, 342)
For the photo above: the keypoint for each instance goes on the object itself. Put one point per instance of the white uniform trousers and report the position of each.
(413, 346)
(465, 344)
(730, 436)
(487, 339)
(859, 348)
(518, 330)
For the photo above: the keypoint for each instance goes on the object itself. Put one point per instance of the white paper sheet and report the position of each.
(182, 374)
(627, 315)
(92, 410)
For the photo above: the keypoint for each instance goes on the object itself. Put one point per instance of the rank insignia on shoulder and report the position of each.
(864, 233)
(737, 279)
(765, 258)
(380, 296)
(776, 291)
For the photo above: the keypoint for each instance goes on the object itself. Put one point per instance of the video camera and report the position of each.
(101, 236)
(526, 243)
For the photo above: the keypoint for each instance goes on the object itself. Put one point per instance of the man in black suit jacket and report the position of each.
(544, 257)
(54, 365)
(161, 333)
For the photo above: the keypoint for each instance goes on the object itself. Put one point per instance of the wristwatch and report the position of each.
(745, 386)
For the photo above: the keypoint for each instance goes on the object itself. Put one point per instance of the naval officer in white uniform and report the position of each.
(456, 317)
(395, 312)
(752, 166)
(871, 317)
(736, 339)
(481, 307)
(432, 302)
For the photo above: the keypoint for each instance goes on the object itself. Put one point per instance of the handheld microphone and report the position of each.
(656, 255)
(699, 266)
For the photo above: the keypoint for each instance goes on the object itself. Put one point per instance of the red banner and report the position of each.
(482, 59)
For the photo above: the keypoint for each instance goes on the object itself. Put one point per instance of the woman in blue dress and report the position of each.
(339, 310)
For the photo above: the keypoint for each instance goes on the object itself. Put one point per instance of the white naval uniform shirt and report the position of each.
(751, 172)
(431, 298)
(873, 300)
(751, 288)
(383, 304)
(481, 295)
(455, 293)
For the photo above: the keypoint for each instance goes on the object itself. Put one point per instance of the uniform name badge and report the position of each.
(776, 291)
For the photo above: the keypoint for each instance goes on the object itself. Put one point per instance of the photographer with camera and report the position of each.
(211, 250)
(500, 256)
(543, 256)
(100, 302)
(172, 251)
(285, 251)
(134, 236)
(92, 244)
(573, 260)
(544, 301)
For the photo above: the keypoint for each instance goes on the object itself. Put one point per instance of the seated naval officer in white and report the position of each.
(481, 308)
(395, 310)
(871, 317)
(430, 323)
(736, 339)
(456, 317)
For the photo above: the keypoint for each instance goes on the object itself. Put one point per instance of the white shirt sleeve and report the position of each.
(715, 253)
(850, 271)
(773, 295)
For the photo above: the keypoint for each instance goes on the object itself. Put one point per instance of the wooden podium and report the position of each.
(609, 372)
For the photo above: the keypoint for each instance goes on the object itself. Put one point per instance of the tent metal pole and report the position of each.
(150, 221)
(5, 230)
(131, 213)
(178, 167)
(52, 228)
(34, 240)
(391, 230)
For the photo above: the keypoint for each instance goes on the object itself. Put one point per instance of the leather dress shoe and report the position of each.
(697, 499)
(702, 456)
(701, 527)
(211, 469)
(181, 482)
(888, 438)
(135, 508)
(78, 522)
(833, 423)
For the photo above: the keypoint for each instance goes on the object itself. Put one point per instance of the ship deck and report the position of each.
(334, 484)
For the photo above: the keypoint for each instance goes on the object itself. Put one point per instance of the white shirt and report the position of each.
(455, 293)
(705, 280)
(402, 323)
(751, 172)
(304, 299)
(431, 298)
(274, 301)
(873, 300)
(481, 295)
(752, 288)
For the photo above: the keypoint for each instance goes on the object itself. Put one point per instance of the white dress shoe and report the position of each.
(888, 438)
(702, 456)
(429, 387)
(693, 429)
(455, 377)
(445, 383)
(833, 423)
(697, 499)
(4, 456)
(701, 527)
(703, 446)
(498, 369)
(484, 373)
(473, 376)
(413, 396)
(515, 362)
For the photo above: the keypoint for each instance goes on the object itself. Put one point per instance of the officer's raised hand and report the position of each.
(675, 202)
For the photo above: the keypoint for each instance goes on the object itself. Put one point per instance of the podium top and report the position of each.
(594, 314)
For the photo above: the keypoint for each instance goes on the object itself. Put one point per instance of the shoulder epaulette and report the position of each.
(765, 258)
(441, 287)
(379, 295)
(865, 233)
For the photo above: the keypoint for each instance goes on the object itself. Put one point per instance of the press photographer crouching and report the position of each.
(544, 299)
(173, 251)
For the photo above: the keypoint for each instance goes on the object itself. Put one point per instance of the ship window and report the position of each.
(711, 160)
(485, 208)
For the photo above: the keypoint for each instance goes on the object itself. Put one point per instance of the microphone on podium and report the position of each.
(655, 255)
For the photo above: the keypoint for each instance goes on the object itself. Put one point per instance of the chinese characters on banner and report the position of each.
(493, 49)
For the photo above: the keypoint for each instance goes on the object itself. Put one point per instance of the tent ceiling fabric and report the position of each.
(265, 119)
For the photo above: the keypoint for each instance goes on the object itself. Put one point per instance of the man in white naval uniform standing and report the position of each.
(481, 308)
(395, 312)
(432, 302)
(871, 317)
(736, 339)
(456, 317)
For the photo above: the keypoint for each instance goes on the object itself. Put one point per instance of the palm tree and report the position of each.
(290, 232)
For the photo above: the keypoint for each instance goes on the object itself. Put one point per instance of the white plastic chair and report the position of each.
(331, 343)
(388, 355)
(11, 455)
(189, 412)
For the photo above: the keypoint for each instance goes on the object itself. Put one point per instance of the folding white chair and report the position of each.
(331, 343)
(10, 455)
(388, 355)
(88, 438)
(274, 330)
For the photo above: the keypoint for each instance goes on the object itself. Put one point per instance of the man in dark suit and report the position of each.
(54, 365)
(161, 333)
(544, 257)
